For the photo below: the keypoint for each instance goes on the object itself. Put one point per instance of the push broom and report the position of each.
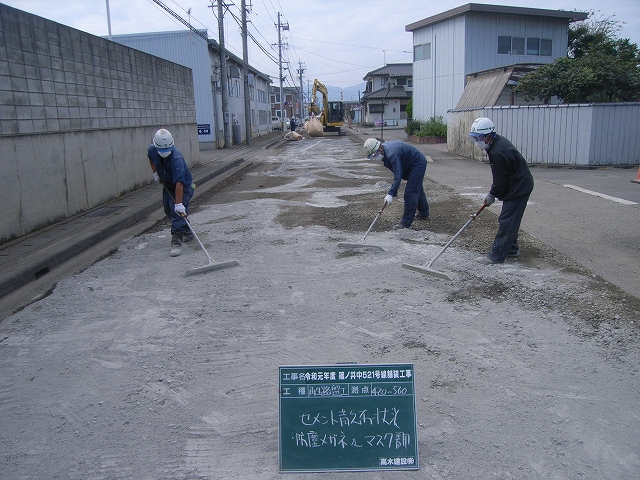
(212, 265)
(427, 267)
(361, 243)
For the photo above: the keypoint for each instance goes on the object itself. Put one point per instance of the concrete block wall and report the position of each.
(77, 113)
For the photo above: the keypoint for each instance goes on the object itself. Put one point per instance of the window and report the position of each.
(410, 83)
(375, 108)
(383, 81)
(517, 46)
(504, 45)
(521, 46)
(545, 47)
(401, 82)
(533, 46)
(422, 52)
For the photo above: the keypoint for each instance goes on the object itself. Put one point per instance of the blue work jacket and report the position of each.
(172, 169)
(400, 158)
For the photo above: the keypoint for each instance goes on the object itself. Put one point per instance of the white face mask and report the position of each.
(164, 154)
(378, 156)
(481, 145)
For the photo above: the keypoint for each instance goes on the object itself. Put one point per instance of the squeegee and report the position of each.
(361, 243)
(427, 267)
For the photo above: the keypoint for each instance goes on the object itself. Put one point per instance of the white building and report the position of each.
(474, 38)
(191, 50)
(387, 94)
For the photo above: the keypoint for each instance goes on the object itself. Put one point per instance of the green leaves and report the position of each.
(601, 68)
(434, 127)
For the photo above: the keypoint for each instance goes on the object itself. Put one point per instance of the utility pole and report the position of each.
(281, 27)
(389, 85)
(300, 72)
(223, 74)
(245, 74)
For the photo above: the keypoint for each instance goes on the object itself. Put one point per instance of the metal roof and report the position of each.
(392, 70)
(484, 88)
(482, 8)
(204, 34)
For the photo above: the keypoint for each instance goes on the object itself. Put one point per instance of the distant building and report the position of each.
(203, 57)
(290, 102)
(387, 94)
(476, 41)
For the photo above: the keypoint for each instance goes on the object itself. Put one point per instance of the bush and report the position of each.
(412, 126)
(434, 127)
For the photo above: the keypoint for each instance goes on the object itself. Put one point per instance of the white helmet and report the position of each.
(163, 141)
(371, 146)
(481, 126)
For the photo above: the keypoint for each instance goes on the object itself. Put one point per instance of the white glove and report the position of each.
(388, 199)
(489, 199)
(180, 210)
(156, 177)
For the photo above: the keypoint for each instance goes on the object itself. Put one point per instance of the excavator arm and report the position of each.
(332, 112)
(314, 109)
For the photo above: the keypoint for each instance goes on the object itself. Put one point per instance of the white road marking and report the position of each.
(602, 195)
(310, 146)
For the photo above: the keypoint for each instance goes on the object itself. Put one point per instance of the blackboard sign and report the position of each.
(347, 417)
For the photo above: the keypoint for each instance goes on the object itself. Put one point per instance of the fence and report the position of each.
(579, 135)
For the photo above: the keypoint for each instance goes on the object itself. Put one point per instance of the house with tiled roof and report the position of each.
(387, 94)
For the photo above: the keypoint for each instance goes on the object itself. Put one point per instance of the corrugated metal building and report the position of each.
(474, 38)
(191, 50)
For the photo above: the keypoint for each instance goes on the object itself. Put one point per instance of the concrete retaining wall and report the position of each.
(77, 113)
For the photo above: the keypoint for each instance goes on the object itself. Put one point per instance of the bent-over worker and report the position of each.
(407, 163)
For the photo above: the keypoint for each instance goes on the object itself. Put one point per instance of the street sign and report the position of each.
(204, 129)
(347, 417)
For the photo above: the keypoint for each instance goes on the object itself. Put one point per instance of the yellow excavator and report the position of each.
(332, 116)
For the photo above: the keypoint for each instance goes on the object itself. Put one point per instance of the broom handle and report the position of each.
(193, 232)
(473, 217)
(374, 222)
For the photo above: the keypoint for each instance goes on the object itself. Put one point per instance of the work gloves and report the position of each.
(489, 199)
(388, 199)
(180, 210)
(156, 177)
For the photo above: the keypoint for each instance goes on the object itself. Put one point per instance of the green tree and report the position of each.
(409, 110)
(599, 68)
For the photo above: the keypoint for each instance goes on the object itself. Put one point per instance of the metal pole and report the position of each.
(280, 66)
(223, 74)
(245, 74)
(382, 120)
(109, 19)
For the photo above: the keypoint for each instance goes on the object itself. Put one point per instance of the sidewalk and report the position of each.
(30, 266)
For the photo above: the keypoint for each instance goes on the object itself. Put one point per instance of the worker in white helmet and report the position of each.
(407, 163)
(512, 183)
(170, 169)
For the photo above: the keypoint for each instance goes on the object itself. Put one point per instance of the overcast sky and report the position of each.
(337, 41)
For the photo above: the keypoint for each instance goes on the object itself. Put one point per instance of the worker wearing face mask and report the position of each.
(512, 183)
(407, 163)
(170, 169)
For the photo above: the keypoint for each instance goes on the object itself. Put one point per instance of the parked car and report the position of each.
(276, 123)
